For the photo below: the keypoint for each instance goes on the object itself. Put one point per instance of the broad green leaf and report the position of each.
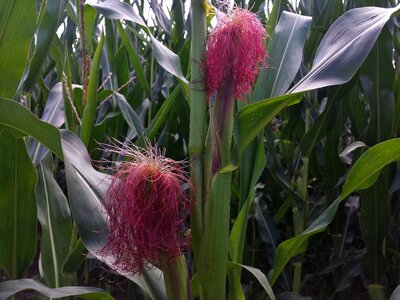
(254, 117)
(284, 49)
(11, 287)
(53, 114)
(366, 169)
(344, 47)
(116, 10)
(298, 244)
(55, 220)
(53, 16)
(23, 123)
(86, 193)
(17, 27)
(17, 206)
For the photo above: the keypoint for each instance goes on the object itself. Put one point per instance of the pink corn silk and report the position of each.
(147, 205)
(235, 51)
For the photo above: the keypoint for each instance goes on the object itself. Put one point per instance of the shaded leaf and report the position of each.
(262, 279)
(11, 287)
(53, 114)
(17, 206)
(55, 220)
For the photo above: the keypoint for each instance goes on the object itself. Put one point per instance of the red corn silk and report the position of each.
(235, 51)
(146, 205)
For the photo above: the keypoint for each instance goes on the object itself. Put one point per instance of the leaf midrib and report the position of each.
(51, 233)
(315, 71)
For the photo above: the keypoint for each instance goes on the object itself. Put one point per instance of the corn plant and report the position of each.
(199, 150)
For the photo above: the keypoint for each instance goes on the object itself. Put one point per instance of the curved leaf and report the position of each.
(53, 114)
(11, 287)
(130, 116)
(22, 122)
(367, 168)
(298, 244)
(262, 279)
(117, 10)
(344, 47)
(254, 117)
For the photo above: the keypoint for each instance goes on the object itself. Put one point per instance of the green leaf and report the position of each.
(17, 206)
(53, 114)
(366, 170)
(273, 17)
(134, 57)
(17, 27)
(117, 10)
(90, 23)
(344, 47)
(284, 48)
(298, 244)
(130, 116)
(90, 108)
(55, 220)
(53, 16)
(254, 117)
(23, 123)
(163, 113)
(11, 287)
(262, 279)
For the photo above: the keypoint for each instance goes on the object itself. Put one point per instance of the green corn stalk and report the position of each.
(197, 121)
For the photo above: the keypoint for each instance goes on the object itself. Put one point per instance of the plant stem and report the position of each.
(198, 109)
(215, 246)
(176, 280)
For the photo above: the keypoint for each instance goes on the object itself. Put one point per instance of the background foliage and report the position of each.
(315, 195)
